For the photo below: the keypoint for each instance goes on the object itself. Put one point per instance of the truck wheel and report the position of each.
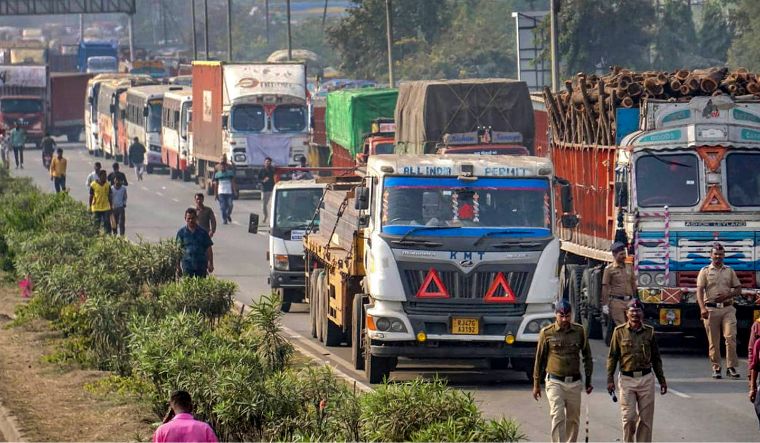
(332, 335)
(72, 137)
(574, 275)
(173, 173)
(284, 301)
(607, 327)
(588, 311)
(357, 332)
(525, 365)
(149, 169)
(186, 175)
(320, 303)
(313, 280)
(376, 368)
(209, 188)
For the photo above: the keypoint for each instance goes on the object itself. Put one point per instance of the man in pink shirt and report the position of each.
(179, 424)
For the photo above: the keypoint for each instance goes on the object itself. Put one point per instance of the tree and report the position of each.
(745, 49)
(716, 33)
(676, 37)
(594, 35)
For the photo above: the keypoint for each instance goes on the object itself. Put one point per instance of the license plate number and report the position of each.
(466, 326)
(670, 317)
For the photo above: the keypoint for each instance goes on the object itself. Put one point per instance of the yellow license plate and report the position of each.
(670, 316)
(468, 326)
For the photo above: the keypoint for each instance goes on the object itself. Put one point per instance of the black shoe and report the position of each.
(731, 372)
(716, 374)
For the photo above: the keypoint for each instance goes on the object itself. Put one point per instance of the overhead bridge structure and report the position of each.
(48, 7)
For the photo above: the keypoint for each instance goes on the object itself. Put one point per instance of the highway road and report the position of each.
(697, 408)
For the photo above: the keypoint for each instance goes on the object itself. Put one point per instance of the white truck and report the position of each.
(247, 112)
(436, 257)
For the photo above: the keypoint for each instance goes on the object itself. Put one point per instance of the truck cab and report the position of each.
(26, 110)
(380, 140)
(484, 141)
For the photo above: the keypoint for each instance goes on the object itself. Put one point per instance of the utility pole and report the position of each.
(81, 27)
(389, 37)
(266, 13)
(553, 8)
(163, 22)
(205, 26)
(324, 16)
(290, 40)
(131, 38)
(195, 40)
(229, 30)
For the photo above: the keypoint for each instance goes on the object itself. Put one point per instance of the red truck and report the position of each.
(42, 103)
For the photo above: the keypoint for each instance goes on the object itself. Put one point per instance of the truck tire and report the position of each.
(319, 303)
(589, 291)
(525, 365)
(313, 281)
(332, 335)
(607, 327)
(209, 188)
(149, 169)
(574, 276)
(173, 173)
(376, 369)
(357, 332)
(72, 137)
(186, 176)
(284, 303)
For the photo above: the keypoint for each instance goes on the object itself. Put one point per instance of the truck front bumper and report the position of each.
(658, 316)
(447, 349)
(287, 279)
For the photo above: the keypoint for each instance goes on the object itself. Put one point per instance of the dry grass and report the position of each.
(50, 403)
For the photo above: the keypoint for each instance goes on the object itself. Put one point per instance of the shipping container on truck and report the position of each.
(427, 110)
(66, 101)
(681, 175)
(246, 112)
(143, 120)
(175, 136)
(434, 257)
(23, 99)
(349, 119)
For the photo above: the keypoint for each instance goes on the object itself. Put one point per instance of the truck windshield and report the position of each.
(667, 179)
(481, 205)
(154, 116)
(384, 148)
(290, 118)
(743, 180)
(21, 105)
(294, 208)
(102, 64)
(248, 118)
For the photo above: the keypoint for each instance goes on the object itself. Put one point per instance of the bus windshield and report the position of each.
(487, 203)
(154, 116)
(21, 105)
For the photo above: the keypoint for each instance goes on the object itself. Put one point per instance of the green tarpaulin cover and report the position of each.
(350, 114)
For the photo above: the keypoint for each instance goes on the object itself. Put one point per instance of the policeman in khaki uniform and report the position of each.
(634, 346)
(618, 285)
(717, 285)
(558, 360)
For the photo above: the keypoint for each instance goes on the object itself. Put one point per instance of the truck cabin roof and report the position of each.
(424, 165)
(485, 150)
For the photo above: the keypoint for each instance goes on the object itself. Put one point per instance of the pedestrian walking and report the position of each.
(119, 211)
(717, 285)
(18, 139)
(558, 362)
(753, 359)
(179, 424)
(266, 177)
(618, 285)
(47, 146)
(58, 171)
(197, 255)
(4, 143)
(224, 189)
(634, 347)
(100, 202)
(117, 173)
(137, 157)
(206, 217)
(93, 176)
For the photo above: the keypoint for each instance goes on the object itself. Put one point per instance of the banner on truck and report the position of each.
(274, 146)
(24, 76)
(285, 79)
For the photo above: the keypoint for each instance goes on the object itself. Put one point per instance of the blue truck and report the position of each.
(93, 48)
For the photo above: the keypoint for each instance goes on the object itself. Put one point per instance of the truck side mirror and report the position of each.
(570, 221)
(176, 116)
(112, 109)
(621, 194)
(146, 112)
(225, 120)
(253, 223)
(361, 198)
(566, 197)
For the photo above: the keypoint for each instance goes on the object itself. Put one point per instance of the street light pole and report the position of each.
(553, 7)
(290, 40)
(389, 38)
(205, 26)
(229, 30)
(266, 13)
(195, 40)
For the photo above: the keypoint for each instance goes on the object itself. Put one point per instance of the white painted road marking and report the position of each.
(679, 393)
(159, 194)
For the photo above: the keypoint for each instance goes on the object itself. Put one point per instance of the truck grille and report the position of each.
(479, 309)
(296, 263)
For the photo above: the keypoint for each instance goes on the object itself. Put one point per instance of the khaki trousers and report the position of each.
(617, 311)
(564, 408)
(722, 319)
(637, 407)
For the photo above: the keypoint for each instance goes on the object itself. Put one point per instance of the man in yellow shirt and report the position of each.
(100, 201)
(58, 171)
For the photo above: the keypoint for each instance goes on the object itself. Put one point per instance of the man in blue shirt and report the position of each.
(197, 255)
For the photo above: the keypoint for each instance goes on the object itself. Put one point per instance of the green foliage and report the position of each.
(676, 38)
(264, 319)
(210, 297)
(716, 33)
(745, 49)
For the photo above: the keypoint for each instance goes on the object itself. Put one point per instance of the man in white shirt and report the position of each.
(93, 175)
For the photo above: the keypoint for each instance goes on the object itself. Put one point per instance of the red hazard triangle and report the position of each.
(432, 287)
(712, 156)
(714, 201)
(505, 295)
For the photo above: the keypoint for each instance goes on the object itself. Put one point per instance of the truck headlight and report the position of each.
(239, 158)
(389, 324)
(645, 279)
(534, 326)
(281, 262)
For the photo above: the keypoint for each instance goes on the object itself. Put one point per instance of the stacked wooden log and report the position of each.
(584, 112)
(338, 218)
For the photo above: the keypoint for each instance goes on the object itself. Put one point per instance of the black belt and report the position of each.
(622, 297)
(569, 379)
(718, 305)
(639, 373)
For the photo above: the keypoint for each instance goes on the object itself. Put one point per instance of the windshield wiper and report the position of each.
(504, 231)
(516, 245)
(663, 160)
(423, 228)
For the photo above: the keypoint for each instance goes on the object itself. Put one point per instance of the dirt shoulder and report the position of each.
(49, 402)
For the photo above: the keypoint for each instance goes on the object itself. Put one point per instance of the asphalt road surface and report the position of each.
(697, 408)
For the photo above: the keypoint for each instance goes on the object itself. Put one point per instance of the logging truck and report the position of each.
(678, 175)
(435, 257)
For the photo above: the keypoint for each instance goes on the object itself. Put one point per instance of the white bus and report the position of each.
(175, 137)
(91, 111)
(143, 118)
